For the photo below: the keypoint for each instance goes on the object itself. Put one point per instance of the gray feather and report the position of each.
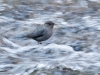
(42, 32)
(37, 33)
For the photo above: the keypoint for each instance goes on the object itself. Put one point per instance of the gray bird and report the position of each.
(43, 32)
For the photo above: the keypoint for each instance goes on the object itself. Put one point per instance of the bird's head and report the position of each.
(49, 24)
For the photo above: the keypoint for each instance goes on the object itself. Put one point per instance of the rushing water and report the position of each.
(73, 48)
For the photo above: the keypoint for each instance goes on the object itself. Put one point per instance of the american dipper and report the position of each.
(43, 32)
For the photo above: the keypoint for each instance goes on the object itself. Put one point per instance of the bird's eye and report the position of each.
(49, 23)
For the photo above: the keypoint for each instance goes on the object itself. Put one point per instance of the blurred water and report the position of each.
(72, 50)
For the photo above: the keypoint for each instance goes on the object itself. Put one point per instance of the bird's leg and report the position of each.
(39, 43)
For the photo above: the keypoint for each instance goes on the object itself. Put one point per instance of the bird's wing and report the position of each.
(37, 33)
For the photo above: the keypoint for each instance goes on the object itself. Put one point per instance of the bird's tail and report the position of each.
(22, 36)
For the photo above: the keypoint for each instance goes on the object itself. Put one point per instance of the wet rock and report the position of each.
(55, 72)
(73, 49)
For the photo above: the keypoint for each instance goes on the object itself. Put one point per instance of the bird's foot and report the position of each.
(39, 43)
